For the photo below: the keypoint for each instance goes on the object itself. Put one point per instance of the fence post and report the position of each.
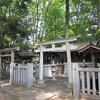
(19, 73)
(76, 84)
(11, 72)
(30, 75)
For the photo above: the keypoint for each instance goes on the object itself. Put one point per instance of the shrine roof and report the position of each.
(89, 48)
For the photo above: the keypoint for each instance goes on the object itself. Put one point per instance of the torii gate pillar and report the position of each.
(12, 56)
(69, 62)
(41, 81)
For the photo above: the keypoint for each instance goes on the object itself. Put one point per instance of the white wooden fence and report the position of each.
(86, 82)
(48, 67)
(21, 74)
(89, 64)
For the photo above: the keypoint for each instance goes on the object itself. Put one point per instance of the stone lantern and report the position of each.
(53, 70)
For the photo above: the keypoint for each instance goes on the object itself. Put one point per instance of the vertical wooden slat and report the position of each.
(25, 76)
(99, 82)
(21, 75)
(14, 74)
(83, 83)
(93, 81)
(88, 83)
(26, 79)
(17, 75)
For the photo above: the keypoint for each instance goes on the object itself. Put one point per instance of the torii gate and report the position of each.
(53, 48)
(11, 54)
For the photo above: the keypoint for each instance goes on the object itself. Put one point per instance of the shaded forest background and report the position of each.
(23, 22)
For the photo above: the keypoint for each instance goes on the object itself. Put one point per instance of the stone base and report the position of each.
(69, 86)
(34, 80)
(54, 79)
(41, 82)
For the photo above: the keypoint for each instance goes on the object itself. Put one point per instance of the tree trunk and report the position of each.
(98, 18)
(67, 17)
(98, 12)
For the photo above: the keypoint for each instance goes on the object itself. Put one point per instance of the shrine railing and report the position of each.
(86, 82)
(21, 74)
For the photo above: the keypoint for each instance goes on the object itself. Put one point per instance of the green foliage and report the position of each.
(13, 22)
(55, 21)
(45, 20)
(97, 35)
(83, 16)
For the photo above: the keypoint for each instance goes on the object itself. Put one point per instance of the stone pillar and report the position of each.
(41, 81)
(12, 56)
(69, 62)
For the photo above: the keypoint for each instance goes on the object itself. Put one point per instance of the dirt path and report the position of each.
(53, 90)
